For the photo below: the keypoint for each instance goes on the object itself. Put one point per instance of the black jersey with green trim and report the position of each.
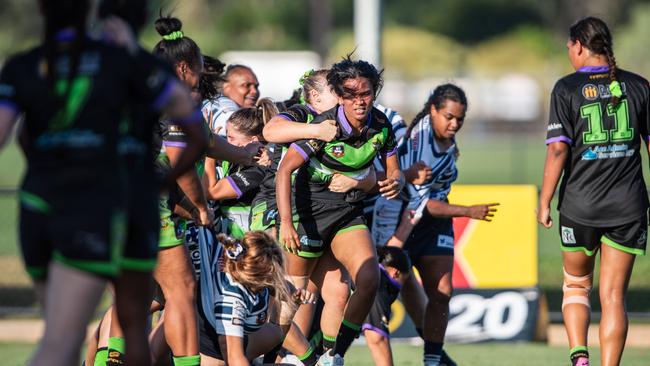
(296, 113)
(603, 182)
(71, 133)
(348, 154)
(245, 181)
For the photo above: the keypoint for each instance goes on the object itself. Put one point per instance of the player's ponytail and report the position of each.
(251, 121)
(175, 47)
(594, 35)
(256, 262)
(438, 98)
(312, 80)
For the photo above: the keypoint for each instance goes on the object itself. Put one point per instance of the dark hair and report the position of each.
(438, 98)
(594, 35)
(134, 12)
(211, 77)
(176, 50)
(349, 69)
(394, 257)
(251, 121)
(58, 16)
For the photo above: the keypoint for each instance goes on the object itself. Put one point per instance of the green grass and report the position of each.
(489, 354)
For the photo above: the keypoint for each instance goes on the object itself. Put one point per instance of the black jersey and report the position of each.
(71, 132)
(349, 154)
(245, 181)
(296, 113)
(602, 183)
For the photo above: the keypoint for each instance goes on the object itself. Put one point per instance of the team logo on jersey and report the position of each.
(338, 151)
(568, 237)
(590, 91)
(261, 318)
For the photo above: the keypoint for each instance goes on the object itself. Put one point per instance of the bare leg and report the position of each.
(379, 348)
(415, 300)
(577, 316)
(615, 271)
(71, 298)
(436, 279)
(176, 278)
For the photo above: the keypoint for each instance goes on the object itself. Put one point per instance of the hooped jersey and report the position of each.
(230, 308)
(71, 132)
(602, 184)
(421, 145)
(348, 154)
(217, 112)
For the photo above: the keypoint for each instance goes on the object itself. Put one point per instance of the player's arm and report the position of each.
(220, 149)
(341, 183)
(556, 155)
(479, 212)
(281, 130)
(410, 218)
(190, 184)
(7, 121)
(394, 182)
(233, 350)
(293, 160)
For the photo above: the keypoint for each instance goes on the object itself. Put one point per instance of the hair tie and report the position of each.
(173, 36)
(615, 89)
(236, 251)
(304, 76)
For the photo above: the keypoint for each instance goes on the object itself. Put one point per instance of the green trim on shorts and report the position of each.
(36, 271)
(579, 249)
(615, 245)
(34, 202)
(97, 267)
(350, 228)
(303, 254)
(141, 265)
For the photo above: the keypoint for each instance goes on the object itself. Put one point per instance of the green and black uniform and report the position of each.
(265, 209)
(245, 180)
(74, 196)
(320, 214)
(602, 196)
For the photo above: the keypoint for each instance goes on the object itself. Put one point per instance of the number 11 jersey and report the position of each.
(602, 182)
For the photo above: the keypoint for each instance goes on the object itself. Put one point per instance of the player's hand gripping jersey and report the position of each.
(602, 183)
(349, 154)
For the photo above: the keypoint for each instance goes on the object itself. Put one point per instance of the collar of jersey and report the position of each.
(345, 124)
(595, 69)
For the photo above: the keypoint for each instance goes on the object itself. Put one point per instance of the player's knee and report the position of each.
(611, 296)
(367, 280)
(576, 289)
(299, 282)
(375, 339)
(336, 294)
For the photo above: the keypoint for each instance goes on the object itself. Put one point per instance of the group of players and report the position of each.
(258, 243)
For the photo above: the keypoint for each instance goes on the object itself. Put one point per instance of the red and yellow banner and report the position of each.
(501, 253)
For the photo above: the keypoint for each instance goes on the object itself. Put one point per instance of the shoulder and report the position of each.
(23, 60)
(393, 117)
(297, 113)
(329, 114)
(225, 104)
(627, 76)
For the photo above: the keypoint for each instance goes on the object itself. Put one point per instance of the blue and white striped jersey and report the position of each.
(216, 113)
(421, 146)
(399, 129)
(235, 310)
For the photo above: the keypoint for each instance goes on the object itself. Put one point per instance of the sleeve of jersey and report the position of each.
(390, 145)
(230, 314)
(8, 88)
(559, 123)
(646, 113)
(307, 148)
(173, 135)
(246, 180)
(295, 114)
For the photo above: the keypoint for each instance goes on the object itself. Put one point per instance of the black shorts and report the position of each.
(84, 231)
(143, 232)
(379, 316)
(630, 238)
(318, 222)
(432, 236)
(209, 339)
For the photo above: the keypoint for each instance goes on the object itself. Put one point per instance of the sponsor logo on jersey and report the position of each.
(643, 237)
(243, 179)
(590, 91)
(338, 151)
(304, 240)
(568, 237)
(445, 241)
(589, 154)
(314, 145)
(554, 126)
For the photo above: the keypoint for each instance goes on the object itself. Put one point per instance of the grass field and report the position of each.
(483, 160)
(491, 354)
